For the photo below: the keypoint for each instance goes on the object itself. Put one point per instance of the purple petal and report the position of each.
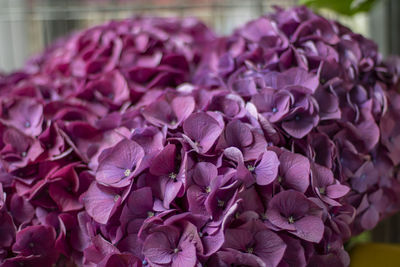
(237, 239)
(370, 218)
(270, 252)
(337, 190)
(267, 169)
(295, 170)
(141, 201)
(121, 161)
(238, 134)
(35, 240)
(164, 162)
(203, 129)
(186, 257)
(309, 228)
(100, 203)
(300, 125)
(204, 173)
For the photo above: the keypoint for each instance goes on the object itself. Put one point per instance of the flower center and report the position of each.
(172, 175)
(328, 247)
(297, 118)
(173, 122)
(279, 179)
(176, 250)
(127, 172)
(250, 250)
(322, 190)
(274, 110)
(150, 214)
(208, 189)
(144, 262)
(23, 154)
(27, 124)
(291, 219)
(116, 197)
(221, 203)
(263, 216)
(251, 167)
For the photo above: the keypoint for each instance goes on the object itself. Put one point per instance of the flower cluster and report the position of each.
(152, 142)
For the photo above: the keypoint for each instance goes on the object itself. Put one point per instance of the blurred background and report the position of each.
(28, 26)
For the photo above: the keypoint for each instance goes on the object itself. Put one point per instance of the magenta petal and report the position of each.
(322, 176)
(237, 239)
(7, 229)
(309, 228)
(203, 129)
(160, 113)
(270, 252)
(298, 76)
(234, 154)
(186, 257)
(337, 190)
(141, 201)
(238, 134)
(164, 162)
(116, 166)
(267, 169)
(158, 248)
(370, 218)
(27, 116)
(21, 210)
(35, 240)
(172, 189)
(295, 170)
(99, 249)
(294, 254)
(182, 106)
(155, 251)
(65, 200)
(204, 173)
(300, 125)
(100, 203)
(212, 243)
(120, 260)
(196, 198)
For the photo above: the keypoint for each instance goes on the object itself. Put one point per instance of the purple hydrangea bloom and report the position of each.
(292, 211)
(154, 142)
(247, 244)
(167, 245)
(119, 164)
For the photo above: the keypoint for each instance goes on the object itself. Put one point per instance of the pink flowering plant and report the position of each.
(153, 142)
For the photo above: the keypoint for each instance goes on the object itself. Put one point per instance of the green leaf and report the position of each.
(344, 7)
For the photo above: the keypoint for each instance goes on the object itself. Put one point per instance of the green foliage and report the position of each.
(344, 7)
(364, 237)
